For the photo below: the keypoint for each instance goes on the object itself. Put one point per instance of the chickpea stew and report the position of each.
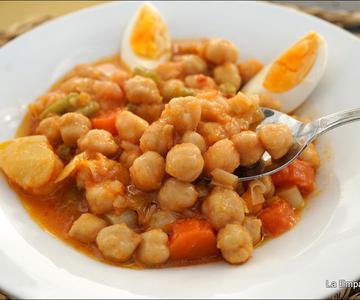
(136, 167)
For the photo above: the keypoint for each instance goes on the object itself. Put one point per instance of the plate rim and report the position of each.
(96, 7)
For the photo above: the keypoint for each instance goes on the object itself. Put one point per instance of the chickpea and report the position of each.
(227, 73)
(193, 137)
(117, 242)
(101, 196)
(142, 90)
(184, 162)
(158, 137)
(176, 195)
(189, 46)
(248, 146)
(84, 70)
(108, 93)
(50, 128)
(128, 156)
(148, 112)
(129, 126)
(128, 216)
(170, 70)
(223, 206)
(86, 228)
(235, 243)
(253, 225)
(200, 82)
(113, 72)
(98, 140)
(211, 132)
(153, 249)
(162, 219)
(78, 84)
(172, 89)
(222, 155)
(311, 156)
(192, 64)
(147, 171)
(72, 127)
(175, 88)
(249, 68)
(219, 51)
(276, 138)
(183, 112)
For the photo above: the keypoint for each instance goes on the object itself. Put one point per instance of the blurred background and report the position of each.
(12, 12)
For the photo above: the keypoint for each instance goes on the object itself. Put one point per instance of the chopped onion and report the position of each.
(72, 166)
(224, 179)
(257, 190)
(293, 196)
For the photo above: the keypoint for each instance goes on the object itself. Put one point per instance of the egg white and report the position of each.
(292, 99)
(127, 54)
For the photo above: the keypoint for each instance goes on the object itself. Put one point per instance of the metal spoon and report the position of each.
(303, 134)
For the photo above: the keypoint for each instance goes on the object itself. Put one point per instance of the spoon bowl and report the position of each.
(303, 134)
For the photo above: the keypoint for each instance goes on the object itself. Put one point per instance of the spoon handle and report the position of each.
(329, 122)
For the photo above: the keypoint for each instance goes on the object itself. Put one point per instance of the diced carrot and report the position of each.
(277, 218)
(106, 122)
(299, 173)
(192, 239)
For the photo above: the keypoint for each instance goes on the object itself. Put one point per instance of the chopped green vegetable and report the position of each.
(89, 109)
(59, 107)
(147, 73)
(64, 152)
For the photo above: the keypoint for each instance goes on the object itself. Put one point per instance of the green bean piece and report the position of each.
(64, 152)
(59, 107)
(89, 109)
(147, 73)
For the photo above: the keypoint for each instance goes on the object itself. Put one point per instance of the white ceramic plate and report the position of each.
(324, 246)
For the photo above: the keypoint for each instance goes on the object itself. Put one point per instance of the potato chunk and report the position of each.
(30, 162)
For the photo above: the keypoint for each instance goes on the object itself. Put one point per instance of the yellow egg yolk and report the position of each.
(149, 36)
(292, 66)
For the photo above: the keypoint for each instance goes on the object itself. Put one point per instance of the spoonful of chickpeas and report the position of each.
(285, 138)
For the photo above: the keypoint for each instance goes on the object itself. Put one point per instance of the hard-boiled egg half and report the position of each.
(294, 74)
(146, 41)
